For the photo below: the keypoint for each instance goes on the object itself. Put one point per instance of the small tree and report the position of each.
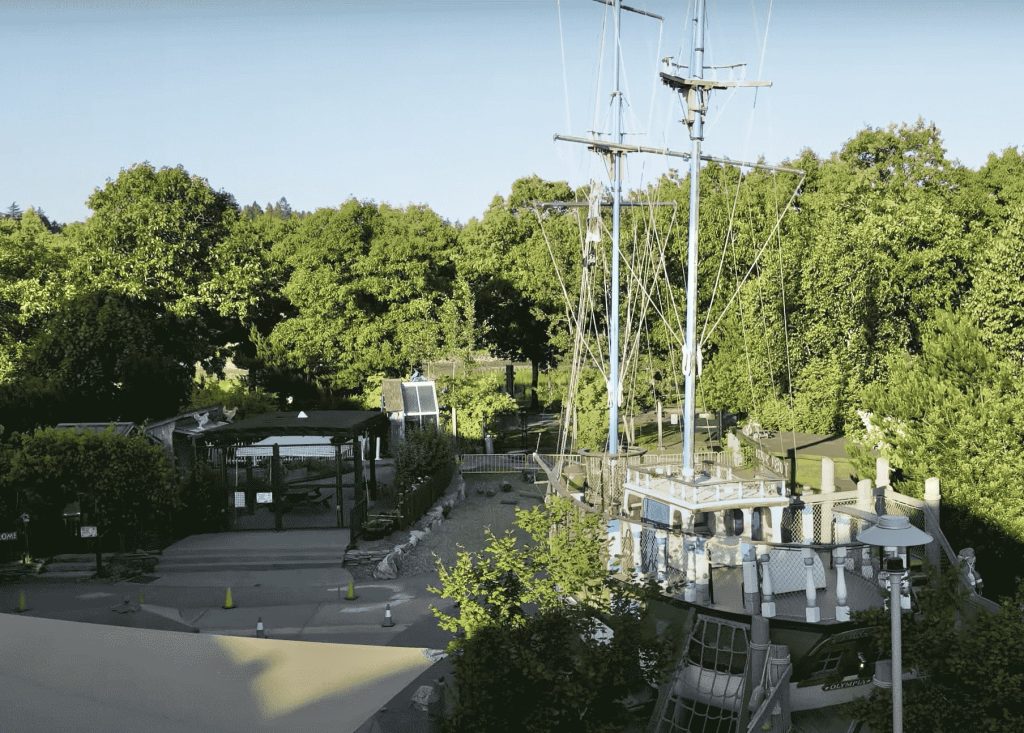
(478, 402)
(970, 665)
(526, 657)
(124, 485)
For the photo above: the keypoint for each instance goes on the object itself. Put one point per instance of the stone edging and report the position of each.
(389, 566)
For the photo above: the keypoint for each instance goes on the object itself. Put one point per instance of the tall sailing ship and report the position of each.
(764, 581)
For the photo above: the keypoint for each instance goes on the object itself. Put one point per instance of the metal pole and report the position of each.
(696, 135)
(895, 580)
(613, 326)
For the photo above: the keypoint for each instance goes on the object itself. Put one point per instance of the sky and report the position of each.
(447, 102)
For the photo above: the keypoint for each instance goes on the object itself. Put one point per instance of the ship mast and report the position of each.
(696, 126)
(613, 326)
(695, 91)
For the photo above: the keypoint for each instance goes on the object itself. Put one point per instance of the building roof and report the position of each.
(121, 428)
(339, 424)
(168, 681)
(391, 394)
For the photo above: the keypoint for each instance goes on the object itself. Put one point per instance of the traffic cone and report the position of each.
(22, 607)
(388, 621)
(142, 597)
(228, 601)
(260, 633)
(350, 595)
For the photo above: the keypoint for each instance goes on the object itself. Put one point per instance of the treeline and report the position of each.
(887, 304)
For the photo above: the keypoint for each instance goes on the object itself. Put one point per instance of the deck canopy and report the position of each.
(341, 426)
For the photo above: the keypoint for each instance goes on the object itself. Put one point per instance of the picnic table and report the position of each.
(310, 496)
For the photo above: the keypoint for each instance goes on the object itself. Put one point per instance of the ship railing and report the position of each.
(722, 488)
(819, 583)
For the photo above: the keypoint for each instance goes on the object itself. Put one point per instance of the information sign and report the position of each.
(239, 500)
(264, 497)
(86, 532)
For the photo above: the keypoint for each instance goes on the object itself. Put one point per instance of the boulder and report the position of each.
(387, 569)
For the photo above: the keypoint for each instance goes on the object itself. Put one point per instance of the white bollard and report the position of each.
(881, 471)
(842, 610)
(690, 592)
(807, 524)
(812, 613)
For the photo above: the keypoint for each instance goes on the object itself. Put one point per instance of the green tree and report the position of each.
(33, 283)
(370, 287)
(105, 356)
(510, 258)
(519, 638)
(478, 401)
(956, 411)
(152, 234)
(124, 484)
(970, 662)
(997, 297)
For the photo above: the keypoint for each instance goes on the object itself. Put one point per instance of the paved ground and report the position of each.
(293, 604)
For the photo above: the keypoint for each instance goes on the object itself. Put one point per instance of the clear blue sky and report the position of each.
(446, 102)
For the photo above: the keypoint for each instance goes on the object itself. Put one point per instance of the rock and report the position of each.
(387, 569)
(416, 536)
(424, 697)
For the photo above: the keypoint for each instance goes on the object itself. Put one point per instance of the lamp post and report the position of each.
(895, 533)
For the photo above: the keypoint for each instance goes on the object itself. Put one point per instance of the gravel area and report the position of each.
(466, 525)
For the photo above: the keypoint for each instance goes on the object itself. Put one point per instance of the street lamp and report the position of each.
(895, 533)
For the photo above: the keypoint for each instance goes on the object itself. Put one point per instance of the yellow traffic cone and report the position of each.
(351, 594)
(228, 601)
(142, 597)
(22, 607)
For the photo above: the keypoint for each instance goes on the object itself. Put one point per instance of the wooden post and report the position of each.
(828, 486)
(373, 470)
(357, 467)
(932, 502)
(339, 492)
(277, 486)
(250, 487)
(661, 430)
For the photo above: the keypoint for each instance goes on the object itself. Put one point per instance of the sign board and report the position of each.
(264, 497)
(86, 532)
(673, 418)
(8, 536)
(239, 500)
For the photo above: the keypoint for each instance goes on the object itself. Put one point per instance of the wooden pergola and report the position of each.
(343, 427)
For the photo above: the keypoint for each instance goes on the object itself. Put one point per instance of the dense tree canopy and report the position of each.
(889, 253)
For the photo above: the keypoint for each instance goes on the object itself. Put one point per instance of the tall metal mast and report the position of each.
(695, 91)
(613, 326)
(689, 348)
(614, 152)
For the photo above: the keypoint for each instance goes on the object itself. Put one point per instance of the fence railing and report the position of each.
(413, 502)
